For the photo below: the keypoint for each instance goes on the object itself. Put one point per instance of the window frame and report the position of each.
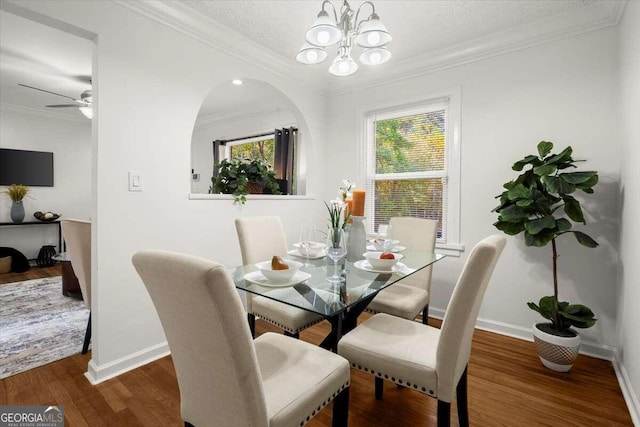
(449, 100)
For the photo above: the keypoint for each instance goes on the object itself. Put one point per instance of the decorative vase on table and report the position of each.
(357, 240)
(17, 211)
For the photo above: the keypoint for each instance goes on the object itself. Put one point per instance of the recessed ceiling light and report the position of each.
(236, 82)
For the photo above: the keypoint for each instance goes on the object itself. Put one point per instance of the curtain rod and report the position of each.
(224, 141)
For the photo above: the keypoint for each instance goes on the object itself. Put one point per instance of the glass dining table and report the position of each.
(340, 303)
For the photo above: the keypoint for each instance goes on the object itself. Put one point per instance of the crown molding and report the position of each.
(595, 16)
(195, 25)
(18, 110)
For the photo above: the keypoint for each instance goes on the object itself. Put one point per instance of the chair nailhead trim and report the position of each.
(325, 403)
(394, 379)
(278, 324)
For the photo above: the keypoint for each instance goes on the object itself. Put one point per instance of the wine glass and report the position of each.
(307, 240)
(336, 249)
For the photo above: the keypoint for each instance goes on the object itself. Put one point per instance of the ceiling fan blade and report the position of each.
(64, 105)
(48, 91)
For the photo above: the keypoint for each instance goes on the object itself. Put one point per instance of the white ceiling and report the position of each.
(427, 35)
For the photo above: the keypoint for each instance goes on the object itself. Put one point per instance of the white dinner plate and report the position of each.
(395, 248)
(258, 278)
(294, 252)
(363, 264)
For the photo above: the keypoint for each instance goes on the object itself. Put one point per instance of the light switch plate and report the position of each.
(135, 181)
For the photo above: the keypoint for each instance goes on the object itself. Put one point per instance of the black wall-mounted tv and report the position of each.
(33, 168)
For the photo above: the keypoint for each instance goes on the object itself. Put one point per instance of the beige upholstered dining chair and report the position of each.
(77, 237)
(261, 238)
(410, 296)
(426, 359)
(226, 378)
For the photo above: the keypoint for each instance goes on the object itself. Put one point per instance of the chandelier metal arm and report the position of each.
(335, 14)
(373, 12)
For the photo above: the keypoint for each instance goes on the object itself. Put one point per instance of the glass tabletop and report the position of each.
(316, 294)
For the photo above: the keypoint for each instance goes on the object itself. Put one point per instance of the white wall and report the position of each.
(561, 92)
(150, 131)
(234, 127)
(70, 142)
(629, 270)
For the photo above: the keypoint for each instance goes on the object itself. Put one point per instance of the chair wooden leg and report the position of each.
(379, 386)
(87, 336)
(251, 318)
(425, 314)
(444, 413)
(289, 334)
(461, 396)
(341, 409)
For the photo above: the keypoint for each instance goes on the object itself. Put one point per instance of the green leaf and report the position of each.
(578, 177)
(523, 203)
(564, 156)
(544, 148)
(572, 209)
(537, 225)
(563, 225)
(509, 228)
(540, 239)
(533, 160)
(585, 186)
(557, 185)
(584, 239)
(518, 192)
(513, 213)
(545, 170)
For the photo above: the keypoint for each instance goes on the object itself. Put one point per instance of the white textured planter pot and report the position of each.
(556, 353)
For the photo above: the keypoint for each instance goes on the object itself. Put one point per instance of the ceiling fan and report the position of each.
(83, 104)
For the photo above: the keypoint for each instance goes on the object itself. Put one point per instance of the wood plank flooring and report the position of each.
(507, 387)
(34, 272)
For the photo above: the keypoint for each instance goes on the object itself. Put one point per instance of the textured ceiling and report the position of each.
(41, 56)
(417, 27)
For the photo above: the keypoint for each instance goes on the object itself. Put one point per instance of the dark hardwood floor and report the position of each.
(507, 387)
(34, 272)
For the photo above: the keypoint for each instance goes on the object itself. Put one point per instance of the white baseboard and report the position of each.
(592, 349)
(627, 390)
(97, 374)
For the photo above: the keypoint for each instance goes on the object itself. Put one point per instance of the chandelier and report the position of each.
(369, 33)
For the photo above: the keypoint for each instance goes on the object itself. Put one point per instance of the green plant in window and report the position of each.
(240, 177)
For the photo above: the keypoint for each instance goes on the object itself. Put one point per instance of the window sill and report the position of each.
(197, 196)
(449, 249)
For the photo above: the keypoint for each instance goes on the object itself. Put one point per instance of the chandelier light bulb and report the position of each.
(323, 37)
(312, 56)
(373, 38)
(375, 56)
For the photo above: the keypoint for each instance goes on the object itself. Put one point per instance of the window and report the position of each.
(277, 148)
(412, 166)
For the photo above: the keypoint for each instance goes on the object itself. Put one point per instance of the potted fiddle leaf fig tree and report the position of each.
(240, 177)
(540, 204)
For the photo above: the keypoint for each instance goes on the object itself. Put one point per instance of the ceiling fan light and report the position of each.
(375, 56)
(373, 33)
(87, 111)
(324, 31)
(310, 54)
(343, 66)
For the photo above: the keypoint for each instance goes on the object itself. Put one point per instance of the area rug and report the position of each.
(38, 325)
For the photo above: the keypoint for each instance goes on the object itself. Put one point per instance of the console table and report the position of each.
(56, 223)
